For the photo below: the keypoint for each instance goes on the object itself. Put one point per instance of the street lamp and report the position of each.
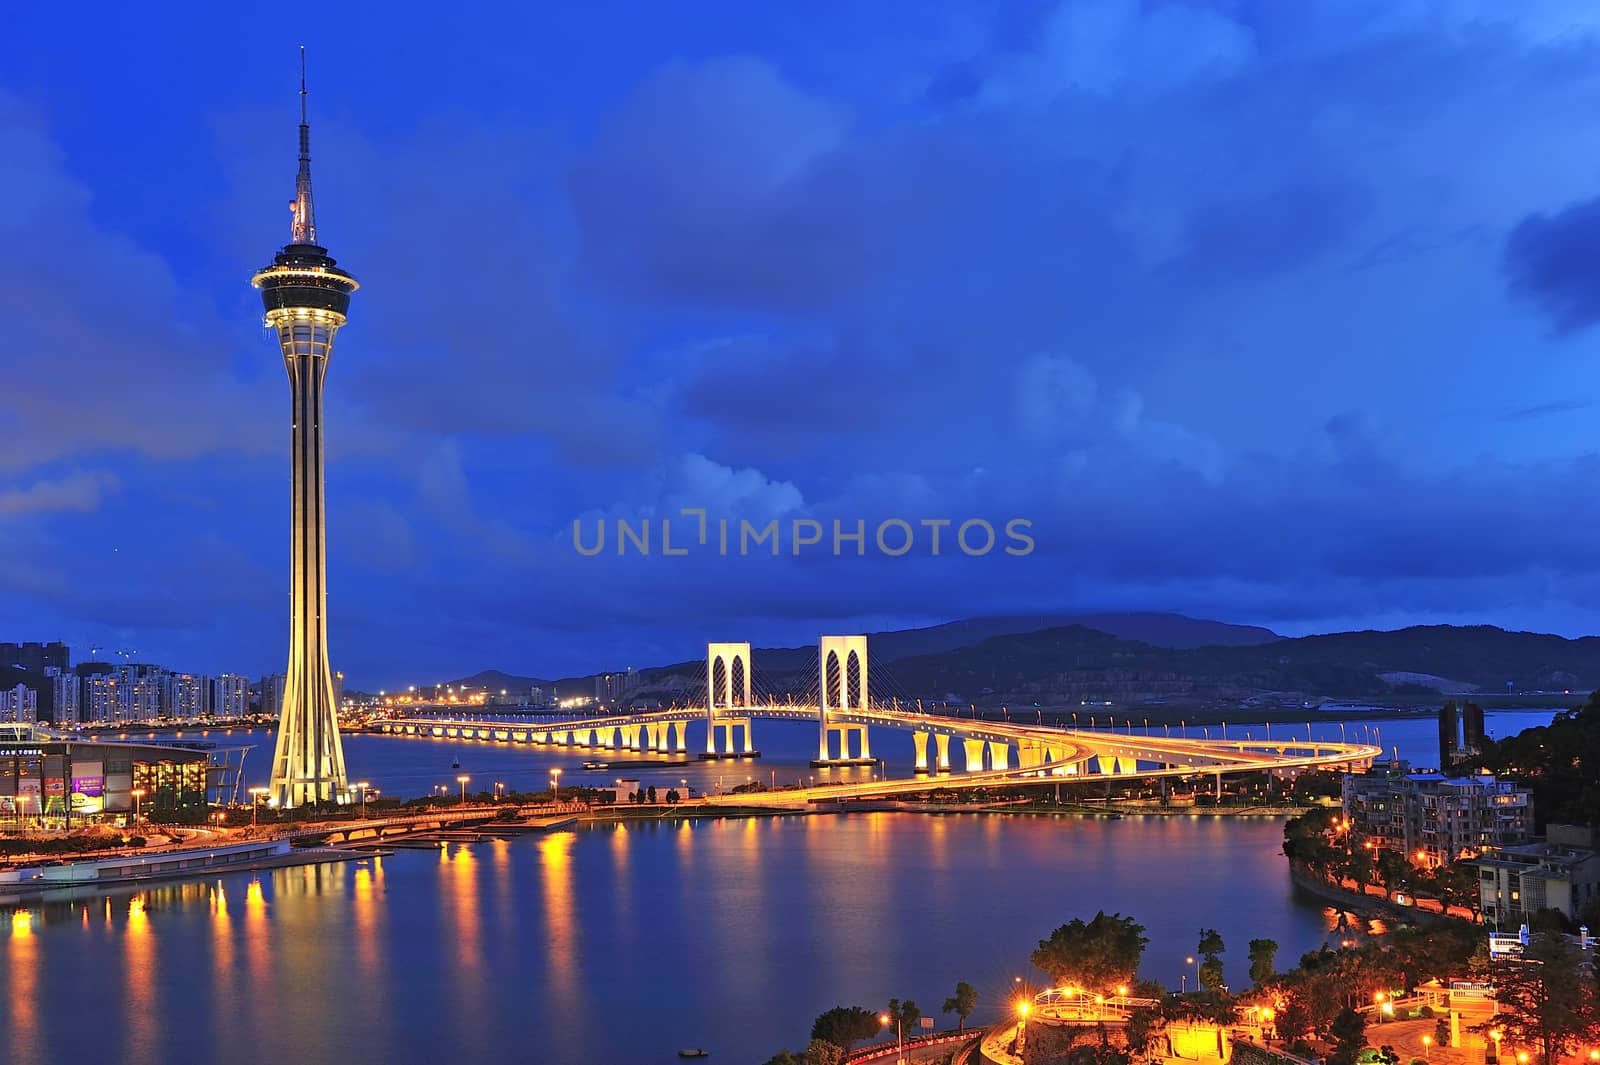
(462, 780)
(138, 793)
(1495, 1033)
(22, 806)
(1427, 1047)
(362, 784)
(899, 1037)
(555, 785)
(255, 804)
(1191, 961)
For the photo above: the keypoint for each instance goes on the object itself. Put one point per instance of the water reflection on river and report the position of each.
(619, 943)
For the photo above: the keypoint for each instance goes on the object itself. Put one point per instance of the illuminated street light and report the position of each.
(462, 780)
(555, 784)
(138, 794)
(1427, 1047)
(899, 1037)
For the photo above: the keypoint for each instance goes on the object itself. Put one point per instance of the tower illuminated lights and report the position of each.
(306, 296)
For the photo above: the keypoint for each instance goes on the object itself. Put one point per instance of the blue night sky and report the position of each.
(1272, 312)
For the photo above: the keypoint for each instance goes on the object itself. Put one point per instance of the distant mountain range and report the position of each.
(1075, 663)
(1156, 658)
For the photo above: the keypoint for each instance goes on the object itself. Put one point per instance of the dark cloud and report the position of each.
(1549, 260)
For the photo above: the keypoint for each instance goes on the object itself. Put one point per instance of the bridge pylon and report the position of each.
(728, 700)
(842, 689)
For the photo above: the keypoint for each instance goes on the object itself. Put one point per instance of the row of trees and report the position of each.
(1549, 999)
(1317, 842)
(835, 1031)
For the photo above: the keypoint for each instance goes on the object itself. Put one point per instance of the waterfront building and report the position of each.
(19, 705)
(230, 695)
(1431, 818)
(69, 779)
(1560, 872)
(610, 687)
(64, 689)
(139, 691)
(1460, 733)
(186, 696)
(272, 694)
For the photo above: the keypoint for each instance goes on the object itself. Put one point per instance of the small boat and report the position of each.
(596, 765)
(694, 1052)
(455, 763)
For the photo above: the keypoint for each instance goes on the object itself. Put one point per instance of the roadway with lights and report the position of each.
(1041, 751)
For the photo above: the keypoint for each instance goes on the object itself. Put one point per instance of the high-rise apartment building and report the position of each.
(19, 705)
(98, 699)
(64, 687)
(1432, 818)
(186, 696)
(230, 695)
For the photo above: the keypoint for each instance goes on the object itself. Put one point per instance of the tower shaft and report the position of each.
(308, 764)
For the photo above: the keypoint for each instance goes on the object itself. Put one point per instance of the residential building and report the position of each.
(186, 696)
(98, 699)
(139, 693)
(230, 695)
(610, 687)
(19, 705)
(272, 688)
(1559, 872)
(1432, 818)
(64, 686)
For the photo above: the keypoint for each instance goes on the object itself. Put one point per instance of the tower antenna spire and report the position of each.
(304, 228)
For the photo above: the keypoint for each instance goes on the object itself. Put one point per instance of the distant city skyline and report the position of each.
(1240, 331)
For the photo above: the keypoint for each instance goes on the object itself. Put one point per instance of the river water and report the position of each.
(619, 943)
(411, 766)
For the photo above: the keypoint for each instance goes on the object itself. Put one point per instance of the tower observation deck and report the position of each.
(306, 297)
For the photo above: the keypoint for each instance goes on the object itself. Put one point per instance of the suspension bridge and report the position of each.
(991, 753)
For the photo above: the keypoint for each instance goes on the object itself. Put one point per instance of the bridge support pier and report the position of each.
(1000, 754)
(941, 743)
(919, 740)
(729, 749)
(680, 730)
(606, 737)
(844, 731)
(974, 751)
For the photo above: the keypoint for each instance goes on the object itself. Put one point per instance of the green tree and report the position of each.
(962, 1003)
(845, 1025)
(1098, 956)
(1141, 1028)
(907, 1013)
(1293, 1020)
(822, 1052)
(1211, 948)
(1544, 997)
(1263, 952)
(1348, 1036)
